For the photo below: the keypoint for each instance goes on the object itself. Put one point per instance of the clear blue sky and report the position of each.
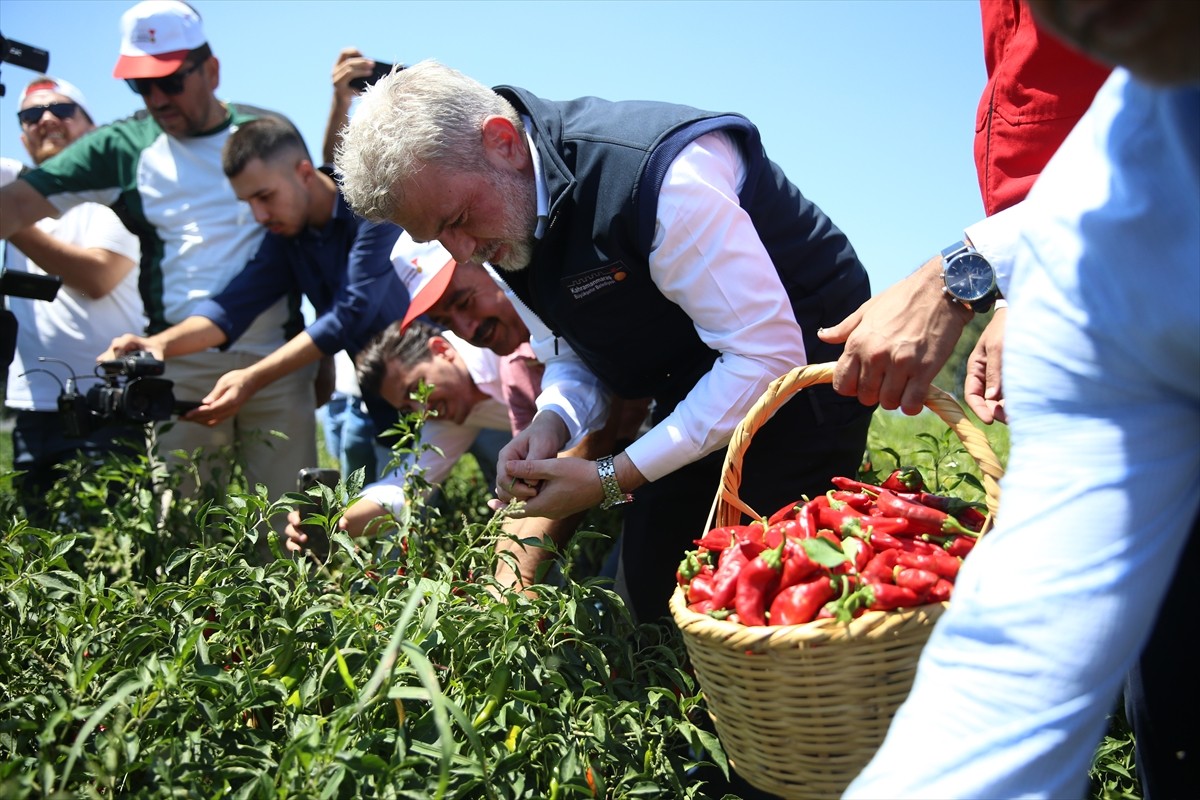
(869, 105)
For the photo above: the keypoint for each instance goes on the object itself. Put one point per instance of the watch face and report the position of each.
(970, 277)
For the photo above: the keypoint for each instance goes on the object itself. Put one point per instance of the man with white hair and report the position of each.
(673, 256)
(95, 256)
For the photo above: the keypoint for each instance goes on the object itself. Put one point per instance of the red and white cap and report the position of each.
(58, 86)
(426, 270)
(156, 36)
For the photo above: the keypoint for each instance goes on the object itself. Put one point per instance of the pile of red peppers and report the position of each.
(857, 548)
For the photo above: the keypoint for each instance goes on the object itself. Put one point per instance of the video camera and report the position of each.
(23, 55)
(130, 390)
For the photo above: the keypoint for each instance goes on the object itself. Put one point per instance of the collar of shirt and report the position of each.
(482, 364)
(543, 193)
(342, 215)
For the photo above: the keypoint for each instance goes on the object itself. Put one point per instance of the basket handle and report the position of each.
(728, 507)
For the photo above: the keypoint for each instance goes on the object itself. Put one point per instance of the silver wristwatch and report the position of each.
(613, 496)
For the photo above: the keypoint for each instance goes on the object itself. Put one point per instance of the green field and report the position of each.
(148, 653)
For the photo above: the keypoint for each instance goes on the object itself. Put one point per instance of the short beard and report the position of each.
(520, 204)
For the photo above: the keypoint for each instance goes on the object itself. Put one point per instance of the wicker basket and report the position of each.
(800, 709)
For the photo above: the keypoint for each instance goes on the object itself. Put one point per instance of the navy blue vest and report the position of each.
(589, 279)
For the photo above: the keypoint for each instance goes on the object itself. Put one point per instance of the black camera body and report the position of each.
(129, 391)
(23, 55)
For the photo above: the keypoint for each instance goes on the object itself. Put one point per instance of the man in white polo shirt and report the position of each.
(96, 257)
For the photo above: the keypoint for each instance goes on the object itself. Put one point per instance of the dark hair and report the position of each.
(409, 347)
(198, 55)
(263, 138)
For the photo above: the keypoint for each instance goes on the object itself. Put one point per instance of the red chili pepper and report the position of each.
(807, 520)
(790, 511)
(726, 577)
(967, 513)
(919, 580)
(756, 586)
(887, 596)
(701, 587)
(797, 566)
(781, 531)
(972, 517)
(940, 592)
(922, 518)
(905, 479)
(858, 500)
(721, 538)
(858, 554)
(940, 564)
(882, 566)
(884, 541)
(851, 485)
(799, 603)
(960, 545)
(834, 518)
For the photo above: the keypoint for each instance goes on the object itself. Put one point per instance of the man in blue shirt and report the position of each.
(1101, 382)
(314, 244)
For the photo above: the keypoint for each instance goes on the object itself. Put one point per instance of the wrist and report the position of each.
(610, 484)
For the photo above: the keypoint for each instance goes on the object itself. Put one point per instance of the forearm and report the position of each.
(339, 117)
(365, 517)
(20, 206)
(518, 558)
(298, 352)
(90, 270)
(190, 336)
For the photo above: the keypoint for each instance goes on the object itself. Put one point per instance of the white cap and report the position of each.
(425, 269)
(156, 36)
(58, 86)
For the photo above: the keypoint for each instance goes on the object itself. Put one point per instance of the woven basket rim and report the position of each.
(764, 638)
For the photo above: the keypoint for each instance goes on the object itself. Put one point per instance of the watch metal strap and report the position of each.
(953, 250)
(613, 496)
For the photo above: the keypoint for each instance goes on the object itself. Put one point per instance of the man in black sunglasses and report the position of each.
(95, 256)
(161, 171)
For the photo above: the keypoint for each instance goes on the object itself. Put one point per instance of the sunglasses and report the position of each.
(171, 84)
(31, 115)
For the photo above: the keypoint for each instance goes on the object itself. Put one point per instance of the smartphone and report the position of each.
(382, 68)
(317, 546)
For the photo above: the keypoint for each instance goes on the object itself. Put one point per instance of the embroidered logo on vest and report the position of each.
(598, 280)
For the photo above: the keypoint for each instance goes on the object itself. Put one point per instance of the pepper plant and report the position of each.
(148, 650)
